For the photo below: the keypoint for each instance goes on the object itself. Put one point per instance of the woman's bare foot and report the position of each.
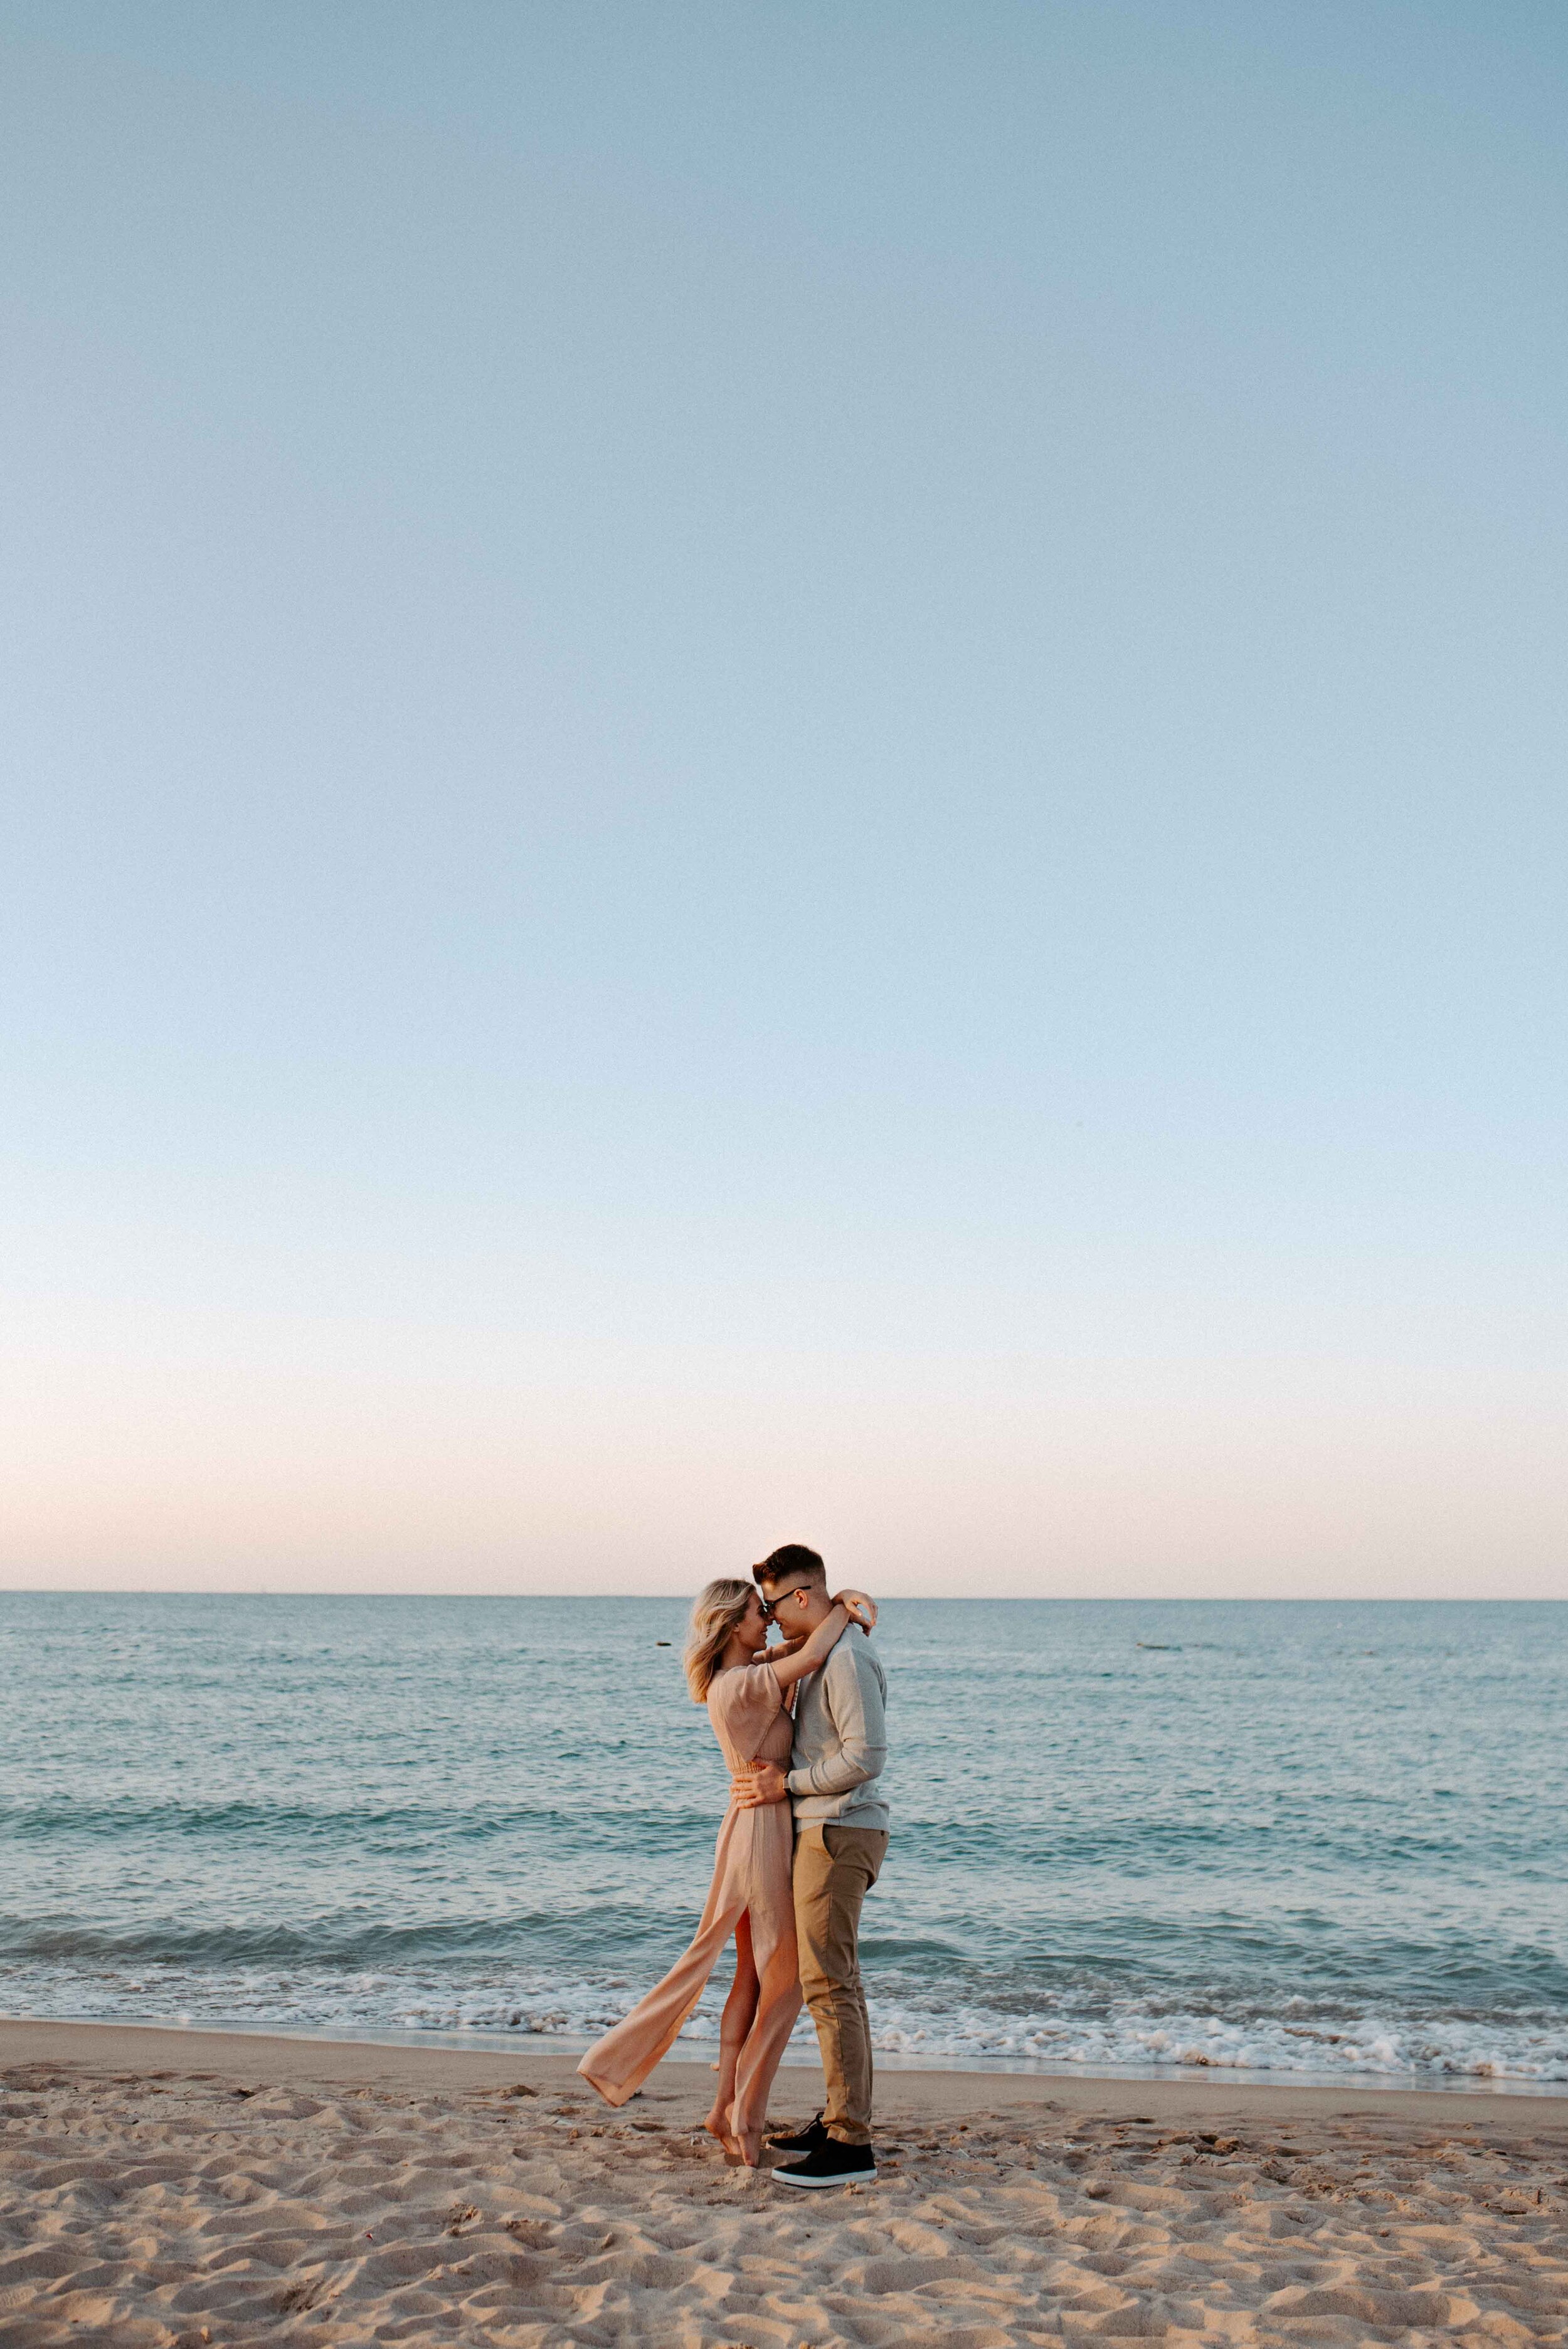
(745, 2148)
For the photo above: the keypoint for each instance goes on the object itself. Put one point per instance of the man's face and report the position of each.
(795, 1607)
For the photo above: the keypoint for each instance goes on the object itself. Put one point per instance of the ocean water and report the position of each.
(1328, 1840)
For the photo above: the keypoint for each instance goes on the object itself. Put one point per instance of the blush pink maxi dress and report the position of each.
(751, 1889)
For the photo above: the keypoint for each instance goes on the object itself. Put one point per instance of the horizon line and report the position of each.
(953, 1598)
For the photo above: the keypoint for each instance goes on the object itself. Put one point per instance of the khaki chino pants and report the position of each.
(835, 1868)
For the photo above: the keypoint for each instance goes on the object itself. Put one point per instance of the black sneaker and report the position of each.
(831, 2164)
(804, 2140)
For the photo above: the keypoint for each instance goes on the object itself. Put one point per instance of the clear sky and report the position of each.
(785, 772)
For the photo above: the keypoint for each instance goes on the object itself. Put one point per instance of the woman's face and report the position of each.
(752, 1627)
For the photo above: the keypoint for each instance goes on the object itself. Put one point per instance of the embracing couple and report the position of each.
(800, 1726)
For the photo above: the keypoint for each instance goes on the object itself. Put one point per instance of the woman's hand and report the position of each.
(858, 1607)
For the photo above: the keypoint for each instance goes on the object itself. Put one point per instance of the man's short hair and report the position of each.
(794, 1564)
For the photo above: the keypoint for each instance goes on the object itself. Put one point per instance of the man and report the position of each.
(841, 1841)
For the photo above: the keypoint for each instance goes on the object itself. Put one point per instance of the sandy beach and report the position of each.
(182, 2188)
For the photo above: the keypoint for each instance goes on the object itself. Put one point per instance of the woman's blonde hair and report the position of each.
(718, 1609)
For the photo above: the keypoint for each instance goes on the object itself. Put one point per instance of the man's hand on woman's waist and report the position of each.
(763, 1782)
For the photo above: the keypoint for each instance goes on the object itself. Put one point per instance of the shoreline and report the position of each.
(801, 2055)
(462, 2061)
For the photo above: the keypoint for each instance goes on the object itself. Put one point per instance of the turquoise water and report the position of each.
(1323, 1838)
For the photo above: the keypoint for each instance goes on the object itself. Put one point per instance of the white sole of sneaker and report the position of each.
(850, 2178)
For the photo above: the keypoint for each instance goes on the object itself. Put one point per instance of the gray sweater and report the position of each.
(840, 1739)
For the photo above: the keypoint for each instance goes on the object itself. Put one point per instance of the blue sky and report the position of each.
(785, 773)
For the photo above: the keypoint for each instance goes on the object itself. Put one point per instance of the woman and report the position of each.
(748, 1690)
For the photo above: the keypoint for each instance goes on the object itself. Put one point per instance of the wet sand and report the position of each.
(208, 2190)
